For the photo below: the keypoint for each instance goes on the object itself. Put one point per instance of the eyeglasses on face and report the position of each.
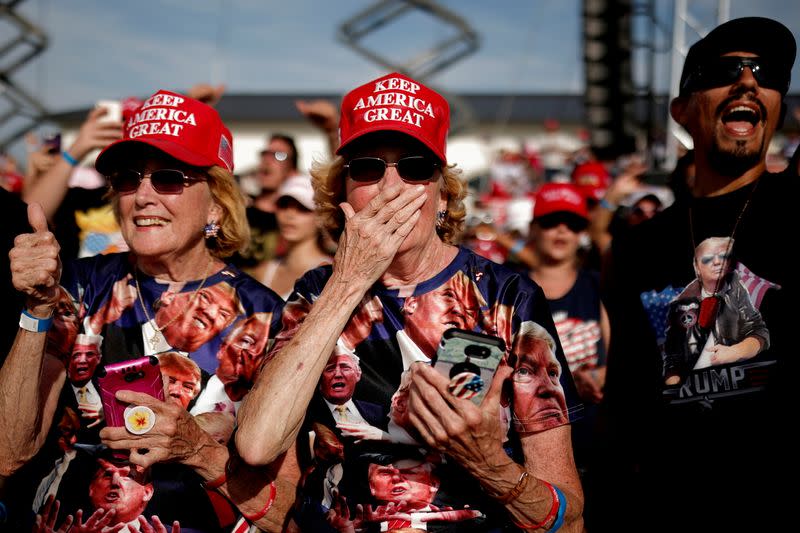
(725, 70)
(276, 154)
(415, 168)
(164, 181)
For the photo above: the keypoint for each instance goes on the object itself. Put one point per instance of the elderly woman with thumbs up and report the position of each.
(181, 214)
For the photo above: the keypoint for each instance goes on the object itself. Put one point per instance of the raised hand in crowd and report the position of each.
(622, 186)
(324, 115)
(207, 93)
(50, 187)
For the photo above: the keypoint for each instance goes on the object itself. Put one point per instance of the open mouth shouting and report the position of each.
(741, 118)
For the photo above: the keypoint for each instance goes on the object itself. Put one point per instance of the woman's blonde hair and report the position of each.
(234, 231)
(328, 179)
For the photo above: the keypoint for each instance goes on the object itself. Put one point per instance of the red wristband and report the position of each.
(553, 511)
(259, 515)
(216, 483)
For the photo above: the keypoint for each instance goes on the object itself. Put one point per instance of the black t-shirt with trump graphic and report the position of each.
(210, 337)
(364, 466)
(702, 361)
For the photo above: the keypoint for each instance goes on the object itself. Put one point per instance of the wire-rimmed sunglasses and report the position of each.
(164, 180)
(415, 168)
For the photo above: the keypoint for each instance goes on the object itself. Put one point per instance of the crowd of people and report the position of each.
(178, 356)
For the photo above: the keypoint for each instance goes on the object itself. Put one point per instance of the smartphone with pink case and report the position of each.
(138, 375)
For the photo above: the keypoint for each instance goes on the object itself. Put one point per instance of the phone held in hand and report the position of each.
(113, 110)
(138, 375)
(468, 359)
(52, 143)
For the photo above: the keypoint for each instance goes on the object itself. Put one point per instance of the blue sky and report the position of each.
(107, 49)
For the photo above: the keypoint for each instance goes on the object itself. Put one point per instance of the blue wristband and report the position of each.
(562, 510)
(69, 159)
(35, 324)
(519, 244)
(605, 204)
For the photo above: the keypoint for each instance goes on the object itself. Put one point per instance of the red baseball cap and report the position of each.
(557, 197)
(396, 103)
(182, 127)
(592, 178)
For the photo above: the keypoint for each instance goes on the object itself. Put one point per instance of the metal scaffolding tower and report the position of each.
(20, 111)
(458, 40)
(690, 23)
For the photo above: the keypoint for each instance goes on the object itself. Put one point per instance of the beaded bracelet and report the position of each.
(554, 510)
(273, 491)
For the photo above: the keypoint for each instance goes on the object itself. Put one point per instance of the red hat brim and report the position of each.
(105, 162)
(398, 127)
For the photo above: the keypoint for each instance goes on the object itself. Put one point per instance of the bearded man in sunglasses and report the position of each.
(693, 449)
(396, 204)
(182, 215)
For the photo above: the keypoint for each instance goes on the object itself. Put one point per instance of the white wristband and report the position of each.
(36, 325)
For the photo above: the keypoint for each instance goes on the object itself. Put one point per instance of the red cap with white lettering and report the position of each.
(557, 197)
(396, 103)
(592, 178)
(182, 127)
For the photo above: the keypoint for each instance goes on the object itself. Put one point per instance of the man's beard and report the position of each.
(735, 162)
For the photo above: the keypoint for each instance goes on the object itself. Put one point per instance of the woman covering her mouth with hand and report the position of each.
(395, 204)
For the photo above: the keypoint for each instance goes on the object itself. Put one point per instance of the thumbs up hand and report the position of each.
(35, 264)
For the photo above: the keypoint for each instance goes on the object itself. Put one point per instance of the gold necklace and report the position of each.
(155, 339)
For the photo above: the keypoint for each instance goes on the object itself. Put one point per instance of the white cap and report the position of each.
(298, 187)
(88, 340)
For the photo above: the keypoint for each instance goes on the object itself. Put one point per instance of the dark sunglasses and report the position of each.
(164, 181)
(708, 258)
(412, 168)
(575, 223)
(726, 70)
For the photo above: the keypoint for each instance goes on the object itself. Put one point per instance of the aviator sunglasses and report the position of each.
(725, 70)
(164, 181)
(708, 258)
(415, 168)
